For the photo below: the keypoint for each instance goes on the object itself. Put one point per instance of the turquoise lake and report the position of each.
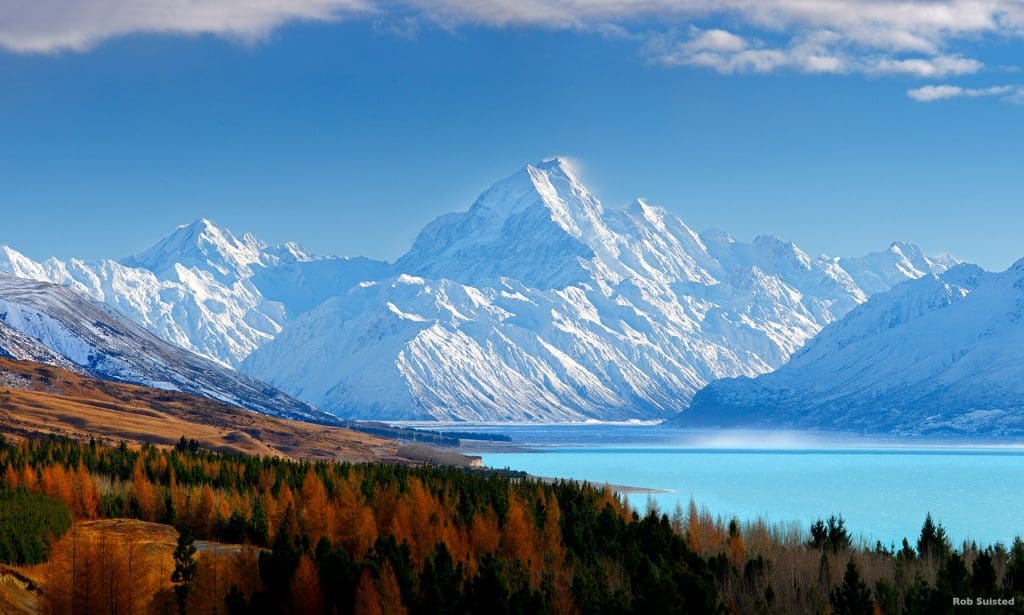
(884, 490)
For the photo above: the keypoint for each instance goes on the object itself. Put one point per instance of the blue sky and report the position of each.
(349, 130)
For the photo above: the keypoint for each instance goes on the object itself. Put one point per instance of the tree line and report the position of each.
(324, 537)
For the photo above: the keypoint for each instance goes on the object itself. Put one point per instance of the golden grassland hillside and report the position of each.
(41, 399)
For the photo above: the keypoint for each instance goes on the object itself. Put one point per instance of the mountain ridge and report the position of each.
(95, 339)
(936, 355)
(536, 303)
(202, 288)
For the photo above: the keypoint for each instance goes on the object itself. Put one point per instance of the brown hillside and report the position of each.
(36, 398)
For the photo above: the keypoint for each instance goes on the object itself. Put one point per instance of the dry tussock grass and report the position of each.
(51, 400)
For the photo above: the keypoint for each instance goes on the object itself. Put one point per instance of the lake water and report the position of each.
(882, 488)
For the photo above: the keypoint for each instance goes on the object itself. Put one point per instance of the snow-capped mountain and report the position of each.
(540, 304)
(537, 303)
(880, 271)
(942, 354)
(205, 247)
(203, 289)
(57, 325)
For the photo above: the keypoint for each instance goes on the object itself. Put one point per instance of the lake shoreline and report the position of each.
(883, 489)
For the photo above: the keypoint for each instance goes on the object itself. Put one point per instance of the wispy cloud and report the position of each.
(44, 26)
(918, 38)
(819, 51)
(934, 66)
(894, 24)
(931, 93)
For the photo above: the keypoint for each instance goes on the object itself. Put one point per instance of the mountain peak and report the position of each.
(642, 207)
(964, 275)
(548, 189)
(288, 252)
(202, 244)
(553, 179)
(879, 271)
(198, 228)
(200, 223)
(194, 231)
(17, 264)
(905, 248)
(771, 241)
(772, 247)
(558, 164)
(519, 227)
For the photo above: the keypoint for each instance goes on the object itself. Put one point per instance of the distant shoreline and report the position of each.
(620, 489)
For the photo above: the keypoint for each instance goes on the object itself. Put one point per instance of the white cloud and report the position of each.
(717, 41)
(821, 51)
(935, 66)
(918, 38)
(42, 26)
(896, 23)
(920, 26)
(935, 92)
(729, 53)
(931, 93)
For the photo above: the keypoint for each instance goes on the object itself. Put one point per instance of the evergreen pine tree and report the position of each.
(186, 568)
(1014, 580)
(932, 542)
(852, 597)
(983, 576)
